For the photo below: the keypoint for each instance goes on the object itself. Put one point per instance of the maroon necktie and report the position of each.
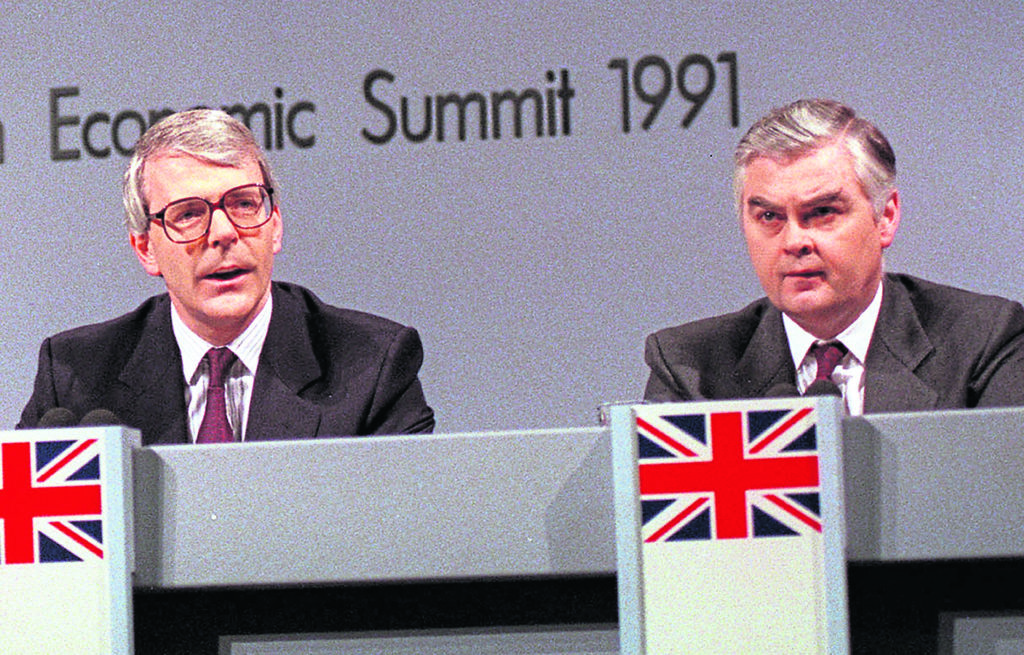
(827, 355)
(215, 427)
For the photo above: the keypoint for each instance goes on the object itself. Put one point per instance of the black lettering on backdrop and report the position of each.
(57, 121)
(101, 134)
(473, 113)
(382, 107)
(635, 80)
(277, 125)
(91, 120)
(124, 146)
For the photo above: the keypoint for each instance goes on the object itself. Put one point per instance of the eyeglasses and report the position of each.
(248, 206)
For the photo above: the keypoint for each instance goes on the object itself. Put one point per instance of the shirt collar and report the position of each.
(856, 337)
(247, 346)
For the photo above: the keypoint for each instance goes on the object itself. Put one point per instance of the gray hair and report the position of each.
(209, 135)
(806, 125)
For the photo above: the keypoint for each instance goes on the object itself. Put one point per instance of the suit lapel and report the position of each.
(766, 362)
(288, 365)
(898, 346)
(155, 383)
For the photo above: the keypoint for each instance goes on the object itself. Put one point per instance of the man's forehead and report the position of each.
(171, 169)
(174, 157)
(816, 176)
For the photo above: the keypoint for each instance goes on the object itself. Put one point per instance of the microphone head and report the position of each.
(783, 390)
(823, 388)
(56, 417)
(100, 417)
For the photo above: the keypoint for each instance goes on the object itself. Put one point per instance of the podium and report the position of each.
(65, 541)
(730, 527)
(505, 541)
(453, 541)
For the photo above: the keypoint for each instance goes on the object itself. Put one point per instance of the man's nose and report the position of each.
(798, 240)
(222, 230)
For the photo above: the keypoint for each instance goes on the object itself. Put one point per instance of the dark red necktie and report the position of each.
(215, 427)
(827, 355)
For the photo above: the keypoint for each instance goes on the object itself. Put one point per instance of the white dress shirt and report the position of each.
(849, 373)
(247, 347)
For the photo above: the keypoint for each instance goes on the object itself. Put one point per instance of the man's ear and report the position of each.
(889, 219)
(144, 251)
(277, 225)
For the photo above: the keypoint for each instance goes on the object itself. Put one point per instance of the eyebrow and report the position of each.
(821, 199)
(762, 203)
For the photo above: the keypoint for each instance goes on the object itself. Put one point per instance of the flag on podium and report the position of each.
(727, 516)
(64, 559)
(50, 501)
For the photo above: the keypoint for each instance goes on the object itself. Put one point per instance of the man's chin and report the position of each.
(809, 306)
(229, 309)
(804, 301)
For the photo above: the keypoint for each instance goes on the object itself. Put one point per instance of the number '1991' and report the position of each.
(651, 80)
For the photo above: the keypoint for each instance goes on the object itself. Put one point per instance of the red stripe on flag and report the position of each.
(766, 441)
(644, 425)
(78, 539)
(62, 463)
(793, 511)
(729, 475)
(694, 506)
(21, 502)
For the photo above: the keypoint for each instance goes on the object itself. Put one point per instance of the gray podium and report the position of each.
(504, 542)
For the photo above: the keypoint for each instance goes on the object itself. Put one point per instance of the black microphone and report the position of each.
(783, 390)
(100, 417)
(823, 388)
(56, 417)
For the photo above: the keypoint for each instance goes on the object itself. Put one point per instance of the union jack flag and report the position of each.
(728, 474)
(50, 501)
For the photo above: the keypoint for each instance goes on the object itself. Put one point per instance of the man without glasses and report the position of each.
(818, 205)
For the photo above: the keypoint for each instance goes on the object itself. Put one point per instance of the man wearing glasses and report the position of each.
(226, 354)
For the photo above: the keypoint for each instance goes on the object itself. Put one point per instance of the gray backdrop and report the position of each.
(532, 266)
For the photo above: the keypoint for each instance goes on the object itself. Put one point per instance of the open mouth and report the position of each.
(227, 274)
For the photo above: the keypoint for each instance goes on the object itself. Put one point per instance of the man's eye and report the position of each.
(186, 214)
(244, 203)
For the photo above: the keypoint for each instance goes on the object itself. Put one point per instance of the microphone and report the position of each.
(100, 417)
(56, 417)
(783, 390)
(823, 388)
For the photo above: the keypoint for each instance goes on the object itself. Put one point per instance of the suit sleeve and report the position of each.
(44, 395)
(661, 385)
(999, 380)
(398, 405)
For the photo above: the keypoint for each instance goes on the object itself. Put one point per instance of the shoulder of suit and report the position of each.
(121, 328)
(943, 304)
(294, 298)
(102, 349)
(715, 341)
(739, 324)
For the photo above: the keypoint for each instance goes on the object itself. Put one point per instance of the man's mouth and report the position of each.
(805, 274)
(227, 274)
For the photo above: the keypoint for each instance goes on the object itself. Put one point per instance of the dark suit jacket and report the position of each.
(934, 347)
(323, 372)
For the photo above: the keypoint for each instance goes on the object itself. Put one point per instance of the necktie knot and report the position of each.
(215, 427)
(827, 355)
(220, 360)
